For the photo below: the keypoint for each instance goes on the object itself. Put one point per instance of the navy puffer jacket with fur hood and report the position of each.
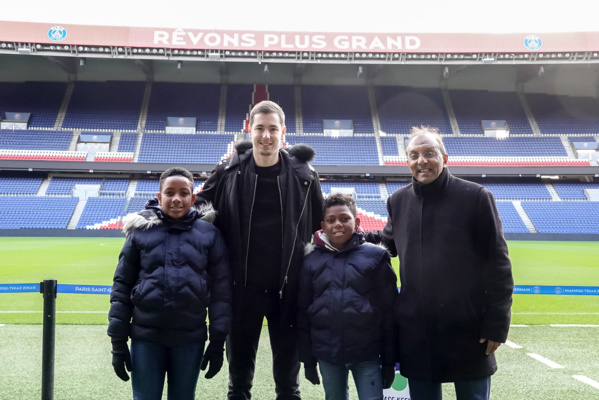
(345, 303)
(169, 272)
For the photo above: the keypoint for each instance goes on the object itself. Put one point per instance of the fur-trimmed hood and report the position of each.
(321, 240)
(153, 215)
(302, 152)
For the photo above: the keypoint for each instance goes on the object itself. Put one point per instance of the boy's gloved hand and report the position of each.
(388, 373)
(311, 374)
(121, 359)
(214, 356)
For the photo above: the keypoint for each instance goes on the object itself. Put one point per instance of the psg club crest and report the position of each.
(533, 42)
(57, 33)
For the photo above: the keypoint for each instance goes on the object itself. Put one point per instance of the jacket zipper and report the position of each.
(247, 247)
(294, 239)
(281, 203)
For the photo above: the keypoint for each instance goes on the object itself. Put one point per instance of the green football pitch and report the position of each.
(551, 352)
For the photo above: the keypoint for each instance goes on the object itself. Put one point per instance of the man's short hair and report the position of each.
(431, 131)
(176, 171)
(339, 199)
(267, 107)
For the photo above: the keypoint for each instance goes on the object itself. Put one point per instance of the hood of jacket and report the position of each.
(321, 240)
(153, 215)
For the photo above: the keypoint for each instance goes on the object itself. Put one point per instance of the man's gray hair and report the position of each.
(431, 131)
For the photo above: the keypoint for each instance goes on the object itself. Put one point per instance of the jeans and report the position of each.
(242, 345)
(152, 361)
(465, 390)
(366, 374)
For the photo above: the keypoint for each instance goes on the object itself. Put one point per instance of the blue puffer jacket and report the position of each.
(345, 303)
(169, 273)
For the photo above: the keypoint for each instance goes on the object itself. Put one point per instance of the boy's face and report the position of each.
(176, 196)
(339, 225)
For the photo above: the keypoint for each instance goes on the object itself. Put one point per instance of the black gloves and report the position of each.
(312, 375)
(121, 359)
(388, 373)
(214, 356)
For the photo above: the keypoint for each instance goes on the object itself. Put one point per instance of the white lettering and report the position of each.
(341, 42)
(231, 40)
(178, 37)
(270, 39)
(358, 42)
(195, 39)
(391, 43)
(302, 44)
(318, 42)
(284, 43)
(160, 37)
(376, 42)
(248, 40)
(412, 42)
(212, 39)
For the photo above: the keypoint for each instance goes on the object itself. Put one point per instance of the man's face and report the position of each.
(339, 225)
(266, 133)
(176, 196)
(425, 159)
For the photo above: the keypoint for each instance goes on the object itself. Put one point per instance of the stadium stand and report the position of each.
(114, 187)
(37, 212)
(472, 106)
(35, 140)
(183, 100)
(101, 213)
(18, 185)
(64, 186)
(363, 189)
(564, 217)
(356, 150)
(564, 114)
(105, 106)
(239, 100)
(400, 108)
(573, 190)
(336, 102)
(127, 142)
(511, 220)
(41, 99)
(508, 147)
(389, 145)
(184, 148)
(284, 95)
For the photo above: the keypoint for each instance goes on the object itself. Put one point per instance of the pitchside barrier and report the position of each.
(49, 288)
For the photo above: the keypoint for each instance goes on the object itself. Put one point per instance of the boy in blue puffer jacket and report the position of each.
(173, 266)
(346, 296)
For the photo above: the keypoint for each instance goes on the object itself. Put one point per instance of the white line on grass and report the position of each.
(513, 345)
(545, 361)
(586, 380)
(57, 312)
(573, 326)
(556, 313)
(518, 326)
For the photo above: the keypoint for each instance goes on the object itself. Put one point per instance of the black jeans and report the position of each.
(242, 345)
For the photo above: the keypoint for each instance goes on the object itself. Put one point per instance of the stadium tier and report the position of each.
(37, 212)
(239, 101)
(35, 139)
(508, 147)
(574, 190)
(105, 106)
(284, 95)
(362, 189)
(183, 100)
(41, 99)
(564, 217)
(511, 220)
(336, 102)
(65, 186)
(18, 185)
(472, 106)
(114, 187)
(400, 108)
(102, 213)
(564, 114)
(356, 150)
(184, 148)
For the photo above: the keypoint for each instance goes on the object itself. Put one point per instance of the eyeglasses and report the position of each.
(427, 156)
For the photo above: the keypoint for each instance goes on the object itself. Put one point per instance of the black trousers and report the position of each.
(242, 345)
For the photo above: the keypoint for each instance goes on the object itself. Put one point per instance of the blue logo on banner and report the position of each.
(533, 42)
(57, 33)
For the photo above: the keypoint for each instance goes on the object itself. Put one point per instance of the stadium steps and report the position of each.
(525, 218)
(379, 149)
(299, 119)
(114, 143)
(145, 103)
(376, 123)
(77, 213)
(401, 145)
(383, 190)
(43, 187)
(137, 146)
(74, 140)
(63, 106)
(568, 147)
(222, 110)
(131, 189)
(450, 112)
(553, 192)
(529, 115)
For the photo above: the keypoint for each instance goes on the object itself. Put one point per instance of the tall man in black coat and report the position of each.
(269, 202)
(453, 309)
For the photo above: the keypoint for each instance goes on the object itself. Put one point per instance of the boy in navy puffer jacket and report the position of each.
(173, 266)
(345, 322)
